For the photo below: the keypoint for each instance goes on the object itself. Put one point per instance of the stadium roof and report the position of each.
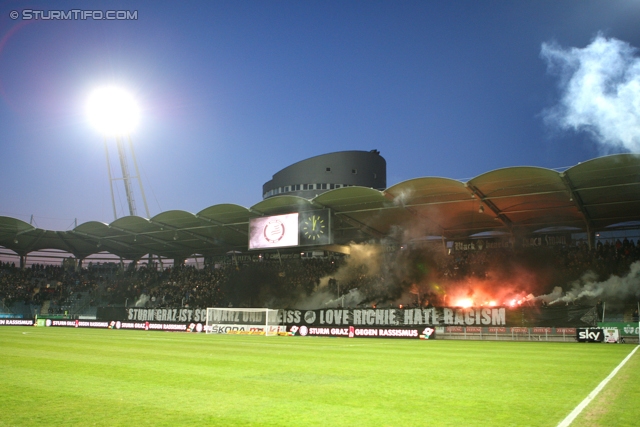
(590, 196)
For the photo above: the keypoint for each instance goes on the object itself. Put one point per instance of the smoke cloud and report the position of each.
(425, 275)
(600, 87)
(614, 288)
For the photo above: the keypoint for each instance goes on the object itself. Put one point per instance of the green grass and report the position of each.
(617, 404)
(56, 376)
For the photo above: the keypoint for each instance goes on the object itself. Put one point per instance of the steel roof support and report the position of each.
(475, 192)
(575, 197)
(354, 222)
(362, 227)
(220, 224)
(185, 231)
(176, 247)
(68, 245)
(99, 239)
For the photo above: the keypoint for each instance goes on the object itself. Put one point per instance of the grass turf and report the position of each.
(57, 376)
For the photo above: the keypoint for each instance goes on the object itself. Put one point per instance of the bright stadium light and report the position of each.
(115, 114)
(112, 111)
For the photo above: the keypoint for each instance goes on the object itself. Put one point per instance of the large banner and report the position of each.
(525, 242)
(152, 314)
(395, 316)
(567, 316)
(560, 316)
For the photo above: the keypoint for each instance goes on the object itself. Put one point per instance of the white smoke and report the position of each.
(615, 288)
(142, 301)
(316, 300)
(402, 197)
(600, 87)
(365, 260)
(350, 299)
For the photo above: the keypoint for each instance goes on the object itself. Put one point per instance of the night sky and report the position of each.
(233, 91)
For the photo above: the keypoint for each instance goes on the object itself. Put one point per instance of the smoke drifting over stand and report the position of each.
(615, 288)
(428, 275)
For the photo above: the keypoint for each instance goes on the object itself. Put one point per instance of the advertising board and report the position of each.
(589, 334)
(16, 322)
(425, 333)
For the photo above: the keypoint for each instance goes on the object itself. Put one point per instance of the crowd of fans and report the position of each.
(40, 283)
(234, 284)
(566, 262)
(285, 283)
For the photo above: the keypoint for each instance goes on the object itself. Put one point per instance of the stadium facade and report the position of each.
(316, 175)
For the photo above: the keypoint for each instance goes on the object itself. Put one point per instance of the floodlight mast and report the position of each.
(113, 200)
(135, 163)
(115, 113)
(126, 176)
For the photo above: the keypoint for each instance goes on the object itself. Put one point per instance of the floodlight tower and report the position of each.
(115, 113)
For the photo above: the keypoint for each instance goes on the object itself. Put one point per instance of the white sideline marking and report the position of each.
(572, 416)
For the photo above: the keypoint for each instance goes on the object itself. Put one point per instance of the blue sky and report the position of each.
(233, 91)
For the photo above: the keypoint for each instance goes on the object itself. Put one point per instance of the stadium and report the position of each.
(520, 254)
(367, 214)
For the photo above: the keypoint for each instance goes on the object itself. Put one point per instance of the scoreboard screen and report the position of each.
(311, 228)
(277, 231)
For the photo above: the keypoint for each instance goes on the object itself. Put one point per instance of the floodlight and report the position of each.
(112, 111)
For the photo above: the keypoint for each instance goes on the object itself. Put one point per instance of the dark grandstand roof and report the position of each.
(591, 196)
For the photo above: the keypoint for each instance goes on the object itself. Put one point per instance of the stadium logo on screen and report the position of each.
(274, 231)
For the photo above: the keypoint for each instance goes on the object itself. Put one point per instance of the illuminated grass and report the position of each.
(617, 404)
(96, 377)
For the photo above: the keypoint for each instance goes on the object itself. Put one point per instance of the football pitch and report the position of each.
(83, 377)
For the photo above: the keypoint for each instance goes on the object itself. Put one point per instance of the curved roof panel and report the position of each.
(361, 213)
(10, 225)
(428, 190)
(351, 199)
(607, 188)
(527, 197)
(592, 195)
(226, 214)
(132, 223)
(439, 206)
(281, 205)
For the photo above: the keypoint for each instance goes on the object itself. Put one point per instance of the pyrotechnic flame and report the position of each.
(487, 293)
(464, 303)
